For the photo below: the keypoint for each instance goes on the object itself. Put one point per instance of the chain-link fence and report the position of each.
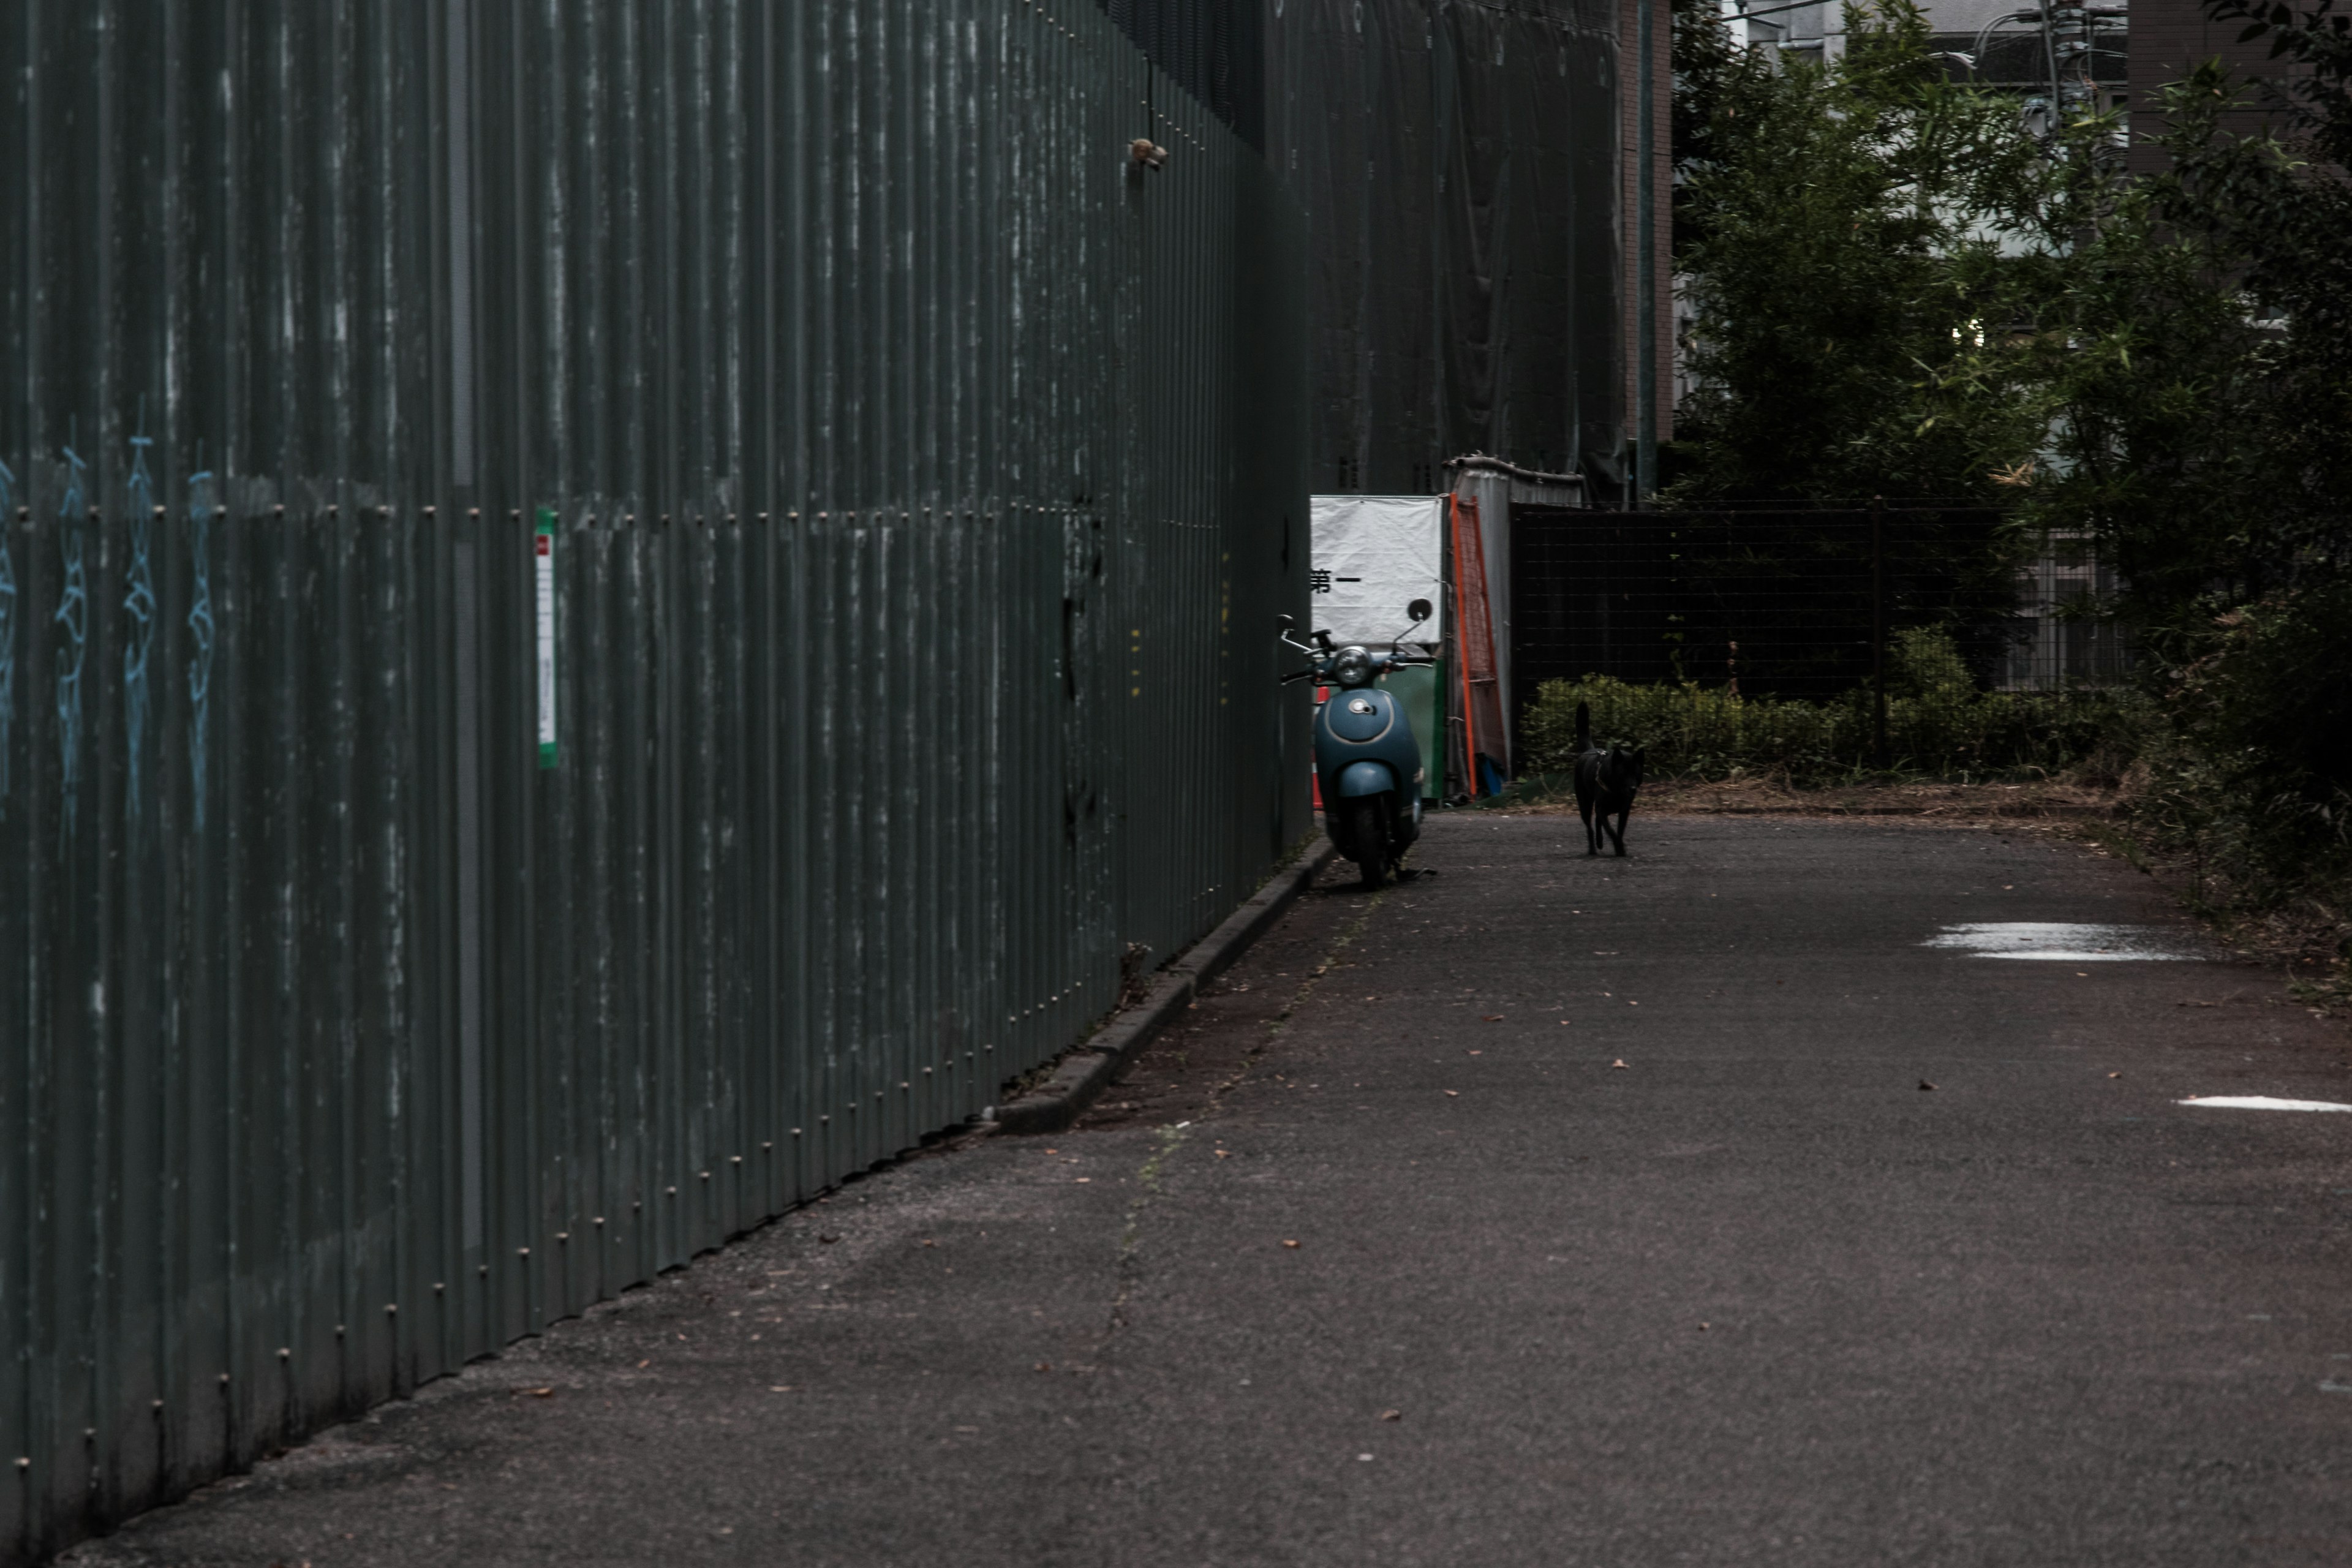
(1933, 637)
(1803, 603)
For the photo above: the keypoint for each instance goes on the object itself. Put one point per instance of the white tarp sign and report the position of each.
(1373, 556)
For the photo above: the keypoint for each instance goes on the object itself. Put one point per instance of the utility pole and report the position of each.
(1878, 629)
(1645, 285)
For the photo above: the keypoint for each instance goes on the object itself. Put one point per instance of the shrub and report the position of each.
(1936, 724)
(2256, 769)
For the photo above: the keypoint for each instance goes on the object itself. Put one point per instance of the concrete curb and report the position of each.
(1086, 1073)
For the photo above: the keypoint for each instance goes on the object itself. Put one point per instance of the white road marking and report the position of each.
(2059, 942)
(2259, 1103)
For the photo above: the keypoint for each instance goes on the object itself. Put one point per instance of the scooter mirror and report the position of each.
(1417, 612)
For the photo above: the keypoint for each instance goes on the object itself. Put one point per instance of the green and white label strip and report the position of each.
(542, 550)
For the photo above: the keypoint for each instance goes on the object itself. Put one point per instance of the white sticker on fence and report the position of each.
(2070, 943)
(542, 546)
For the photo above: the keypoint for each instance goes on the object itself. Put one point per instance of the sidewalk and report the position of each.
(1415, 1275)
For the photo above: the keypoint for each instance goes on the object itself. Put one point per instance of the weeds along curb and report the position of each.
(1086, 1073)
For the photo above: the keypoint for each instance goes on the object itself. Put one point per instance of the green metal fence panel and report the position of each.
(608, 614)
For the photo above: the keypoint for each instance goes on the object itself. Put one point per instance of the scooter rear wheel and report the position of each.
(1368, 838)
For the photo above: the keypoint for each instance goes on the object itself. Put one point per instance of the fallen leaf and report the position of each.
(1494, 1018)
(1925, 1084)
(537, 1393)
(1391, 1414)
(930, 1244)
(1630, 1003)
(1045, 1366)
(1225, 1154)
(829, 1240)
(780, 1388)
(1290, 1244)
(1618, 1063)
(642, 1364)
(2115, 1075)
(1081, 1181)
(1477, 1053)
(1704, 1327)
(1453, 1094)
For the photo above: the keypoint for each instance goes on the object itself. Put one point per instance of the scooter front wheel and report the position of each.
(1368, 838)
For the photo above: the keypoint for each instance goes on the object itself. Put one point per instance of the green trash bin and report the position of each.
(1416, 691)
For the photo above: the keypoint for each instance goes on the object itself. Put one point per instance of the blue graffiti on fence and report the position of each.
(7, 630)
(200, 626)
(73, 615)
(139, 600)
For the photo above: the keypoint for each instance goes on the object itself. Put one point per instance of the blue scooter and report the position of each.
(1367, 760)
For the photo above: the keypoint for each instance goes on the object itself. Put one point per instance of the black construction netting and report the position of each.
(1458, 162)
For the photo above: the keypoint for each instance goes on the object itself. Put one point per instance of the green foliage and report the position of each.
(1901, 291)
(2256, 766)
(1923, 662)
(1832, 238)
(1937, 725)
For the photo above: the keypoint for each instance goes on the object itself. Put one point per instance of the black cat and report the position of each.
(1606, 782)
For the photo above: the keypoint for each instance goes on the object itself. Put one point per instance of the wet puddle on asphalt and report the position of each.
(2071, 943)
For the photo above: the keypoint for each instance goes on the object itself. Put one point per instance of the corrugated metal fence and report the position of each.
(919, 480)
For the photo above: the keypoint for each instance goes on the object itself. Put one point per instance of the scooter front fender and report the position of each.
(1365, 778)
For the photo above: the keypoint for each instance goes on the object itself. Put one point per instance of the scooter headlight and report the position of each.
(1353, 668)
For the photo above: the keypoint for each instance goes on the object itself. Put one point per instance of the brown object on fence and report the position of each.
(1482, 701)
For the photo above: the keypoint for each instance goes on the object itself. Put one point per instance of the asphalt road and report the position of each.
(1757, 1296)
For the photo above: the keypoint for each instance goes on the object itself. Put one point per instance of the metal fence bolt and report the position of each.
(439, 1286)
(523, 1252)
(734, 1159)
(24, 1464)
(285, 1353)
(90, 1434)
(598, 1220)
(339, 1331)
(390, 1308)
(223, 1380)
(770, 1145)
(704, 1174)
(484, 1269)
(563, 1236)
(158, 1407)
(670, 1192)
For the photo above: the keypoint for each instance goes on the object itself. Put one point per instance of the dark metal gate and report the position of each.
(399, 948)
